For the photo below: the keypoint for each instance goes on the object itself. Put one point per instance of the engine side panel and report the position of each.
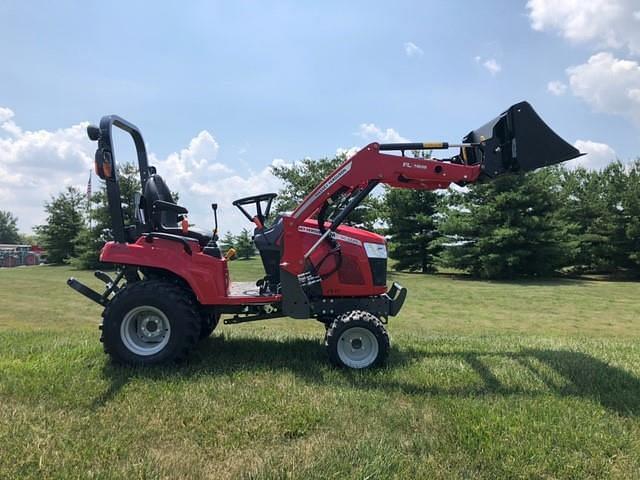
(354, 276)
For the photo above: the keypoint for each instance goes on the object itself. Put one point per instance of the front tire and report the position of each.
(357, 340)
(150, 322)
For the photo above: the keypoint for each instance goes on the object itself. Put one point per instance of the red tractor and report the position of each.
(172, 283)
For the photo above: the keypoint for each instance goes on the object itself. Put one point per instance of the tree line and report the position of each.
(537, 224)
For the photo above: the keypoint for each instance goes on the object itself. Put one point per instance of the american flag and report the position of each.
(89, 187)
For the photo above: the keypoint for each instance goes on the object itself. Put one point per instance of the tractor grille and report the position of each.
(378, 270)
(350, 272)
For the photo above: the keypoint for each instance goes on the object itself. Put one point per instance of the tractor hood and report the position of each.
(517, 140)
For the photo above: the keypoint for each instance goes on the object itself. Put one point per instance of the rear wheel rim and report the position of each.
(357, 347)
(145, 330)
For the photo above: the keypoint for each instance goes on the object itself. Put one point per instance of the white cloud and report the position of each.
(599, 155)
(37, 164)
(202, 149)
(371, 132)
(6, 122)
(412, 50)
(202, 189)
(347, 152)
(5, 114)
(201, 180)
(492, 66)
(219, 168)
(556, 87)
(608, 84)
(610, 23)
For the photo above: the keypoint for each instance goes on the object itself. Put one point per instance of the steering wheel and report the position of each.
(261, 215)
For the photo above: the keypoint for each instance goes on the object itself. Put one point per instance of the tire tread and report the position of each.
(159, 288)
(357, 318)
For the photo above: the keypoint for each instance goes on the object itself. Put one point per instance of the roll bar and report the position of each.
(103, 136)
(105, 165)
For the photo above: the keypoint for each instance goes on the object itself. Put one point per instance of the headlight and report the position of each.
(375, 250)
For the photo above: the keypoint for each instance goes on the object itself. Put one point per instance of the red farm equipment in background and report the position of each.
(172, 283)
(20, 255)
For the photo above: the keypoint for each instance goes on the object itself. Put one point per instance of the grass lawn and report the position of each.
(485, 380)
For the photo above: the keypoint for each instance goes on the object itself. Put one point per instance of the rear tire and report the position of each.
(208, 323)
(357, 340)
(150, 322)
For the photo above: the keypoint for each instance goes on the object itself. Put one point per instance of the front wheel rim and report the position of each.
(145, 330)
(357, 347)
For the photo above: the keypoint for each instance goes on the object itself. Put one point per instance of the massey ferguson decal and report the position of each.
(337, 236)
(323, 188)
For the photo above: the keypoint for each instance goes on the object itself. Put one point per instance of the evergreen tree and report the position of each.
(412, 228)
(603, 211)
(302, 177)
(507, 227)
(244, 245)
(226, 242)
(64, 223)
(589, 206)
(8, 228)
(631, 214)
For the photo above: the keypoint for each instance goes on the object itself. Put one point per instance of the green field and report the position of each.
(485, 380)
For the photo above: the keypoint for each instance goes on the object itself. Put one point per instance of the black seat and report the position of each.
(166, 220)
(156, 189)
(267, 243)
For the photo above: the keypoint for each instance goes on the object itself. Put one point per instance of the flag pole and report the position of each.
(89, 201)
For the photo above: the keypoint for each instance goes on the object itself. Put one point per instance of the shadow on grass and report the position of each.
(582, 375)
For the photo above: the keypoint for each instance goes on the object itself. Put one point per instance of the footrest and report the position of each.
(86, 291)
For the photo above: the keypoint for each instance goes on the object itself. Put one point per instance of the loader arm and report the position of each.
(369, 165)
(360, 174)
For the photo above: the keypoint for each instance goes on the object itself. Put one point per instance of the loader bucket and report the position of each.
(517, 140)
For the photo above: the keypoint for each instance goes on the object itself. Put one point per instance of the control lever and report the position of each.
(214, 207)
(212, 248)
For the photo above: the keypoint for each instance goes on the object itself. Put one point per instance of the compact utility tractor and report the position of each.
(172, 282)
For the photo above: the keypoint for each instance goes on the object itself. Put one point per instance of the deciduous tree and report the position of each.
(8, 228)
(302, 177)
(64, 222)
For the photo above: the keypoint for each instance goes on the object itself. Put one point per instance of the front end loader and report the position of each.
(172, 283)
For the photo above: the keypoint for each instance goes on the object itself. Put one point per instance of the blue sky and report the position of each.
(221, 90)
